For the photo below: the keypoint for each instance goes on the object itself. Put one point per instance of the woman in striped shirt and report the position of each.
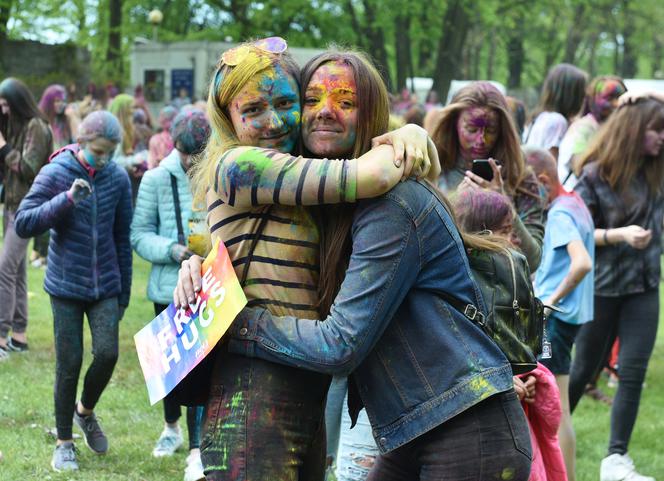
(254, 100)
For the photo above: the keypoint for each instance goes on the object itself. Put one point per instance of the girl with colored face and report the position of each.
(601, 100)
(621, 179)
(477, 129)
(330, 111)
(85, 200)
(477, 125)
(266, 111)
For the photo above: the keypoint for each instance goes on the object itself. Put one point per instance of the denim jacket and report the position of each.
(416, 361)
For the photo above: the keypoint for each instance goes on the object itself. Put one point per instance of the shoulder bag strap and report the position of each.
(178, 214)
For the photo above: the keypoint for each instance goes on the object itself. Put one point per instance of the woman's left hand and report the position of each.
(496, 184)
(411, 145)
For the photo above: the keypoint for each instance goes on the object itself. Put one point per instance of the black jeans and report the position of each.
(173, 411)
(264, 421)
(490, 440)
(103, 317)
(634, 319)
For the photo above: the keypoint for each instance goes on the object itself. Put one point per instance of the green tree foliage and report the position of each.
(512, 41)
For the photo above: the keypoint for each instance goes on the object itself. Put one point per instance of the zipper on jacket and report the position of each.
(95, 268)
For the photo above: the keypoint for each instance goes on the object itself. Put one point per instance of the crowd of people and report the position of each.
(350, 216)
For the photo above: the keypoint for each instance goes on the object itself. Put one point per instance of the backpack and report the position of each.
(515, 317)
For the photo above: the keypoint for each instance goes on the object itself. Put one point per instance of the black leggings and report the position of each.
(633, 318)
(172, 408)
(103, 317)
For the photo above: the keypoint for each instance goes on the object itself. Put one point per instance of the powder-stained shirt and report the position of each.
(546, 131)
(620, 268)
(284, 269)
(568, 220)
(576, 141)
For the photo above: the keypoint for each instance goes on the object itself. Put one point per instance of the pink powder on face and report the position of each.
(477, 130)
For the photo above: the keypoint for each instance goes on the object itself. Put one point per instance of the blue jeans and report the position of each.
(264, 421)
(487, 441)
(103, 317)
(354, 450)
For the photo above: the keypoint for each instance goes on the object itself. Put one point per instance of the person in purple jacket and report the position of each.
(84, 198)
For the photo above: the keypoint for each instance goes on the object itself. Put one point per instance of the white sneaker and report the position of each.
(620, 467)
(194, 469)
(169, 442)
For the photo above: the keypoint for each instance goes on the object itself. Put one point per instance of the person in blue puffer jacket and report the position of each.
(84, 198)
(160, 236)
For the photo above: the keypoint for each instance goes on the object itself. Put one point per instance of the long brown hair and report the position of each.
(618, 146)
(563, 91)
(335, 221)
(507, 149)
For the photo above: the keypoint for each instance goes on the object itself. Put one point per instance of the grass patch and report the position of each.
(132, 426)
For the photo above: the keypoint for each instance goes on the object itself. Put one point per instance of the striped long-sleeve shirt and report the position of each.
(283, 272)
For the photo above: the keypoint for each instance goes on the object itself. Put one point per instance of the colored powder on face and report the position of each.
(266, 113)
(330, 113)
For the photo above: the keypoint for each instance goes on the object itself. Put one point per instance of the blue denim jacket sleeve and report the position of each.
(384, 265)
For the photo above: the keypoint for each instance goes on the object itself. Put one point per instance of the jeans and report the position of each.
(173, 411)
(264, 421)
(634, 319)
(333, 412)
(354, 450)
(103, 317)
(487, 441)
(13, 279)
(357, 449)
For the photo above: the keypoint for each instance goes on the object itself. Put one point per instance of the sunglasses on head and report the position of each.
(236, 55)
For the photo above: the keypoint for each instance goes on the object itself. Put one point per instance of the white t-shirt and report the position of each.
(547, 131)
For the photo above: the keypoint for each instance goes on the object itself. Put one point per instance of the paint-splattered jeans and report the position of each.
(103, 317)
(487, 441)
(264, 421)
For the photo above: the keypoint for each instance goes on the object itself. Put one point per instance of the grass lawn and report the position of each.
(132, 426)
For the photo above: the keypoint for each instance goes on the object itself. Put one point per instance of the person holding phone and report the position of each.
(478, 147)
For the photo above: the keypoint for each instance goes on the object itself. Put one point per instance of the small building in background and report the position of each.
(168, 69)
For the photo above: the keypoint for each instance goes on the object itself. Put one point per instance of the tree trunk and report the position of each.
(402, 49)
(574, 34)
(5, 11)
(630, 51)
(377, 43)
(450, 45)
(491, 58)
(515, 54)
(114, 50)
(658, 51)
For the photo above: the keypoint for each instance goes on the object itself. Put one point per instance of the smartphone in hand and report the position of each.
(482, 167)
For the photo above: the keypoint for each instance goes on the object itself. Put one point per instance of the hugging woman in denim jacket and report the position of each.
(437, 390)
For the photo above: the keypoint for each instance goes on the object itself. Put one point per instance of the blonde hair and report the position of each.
(226, 84)
(122, 106)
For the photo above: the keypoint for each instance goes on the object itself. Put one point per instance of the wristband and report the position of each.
(605, 237)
